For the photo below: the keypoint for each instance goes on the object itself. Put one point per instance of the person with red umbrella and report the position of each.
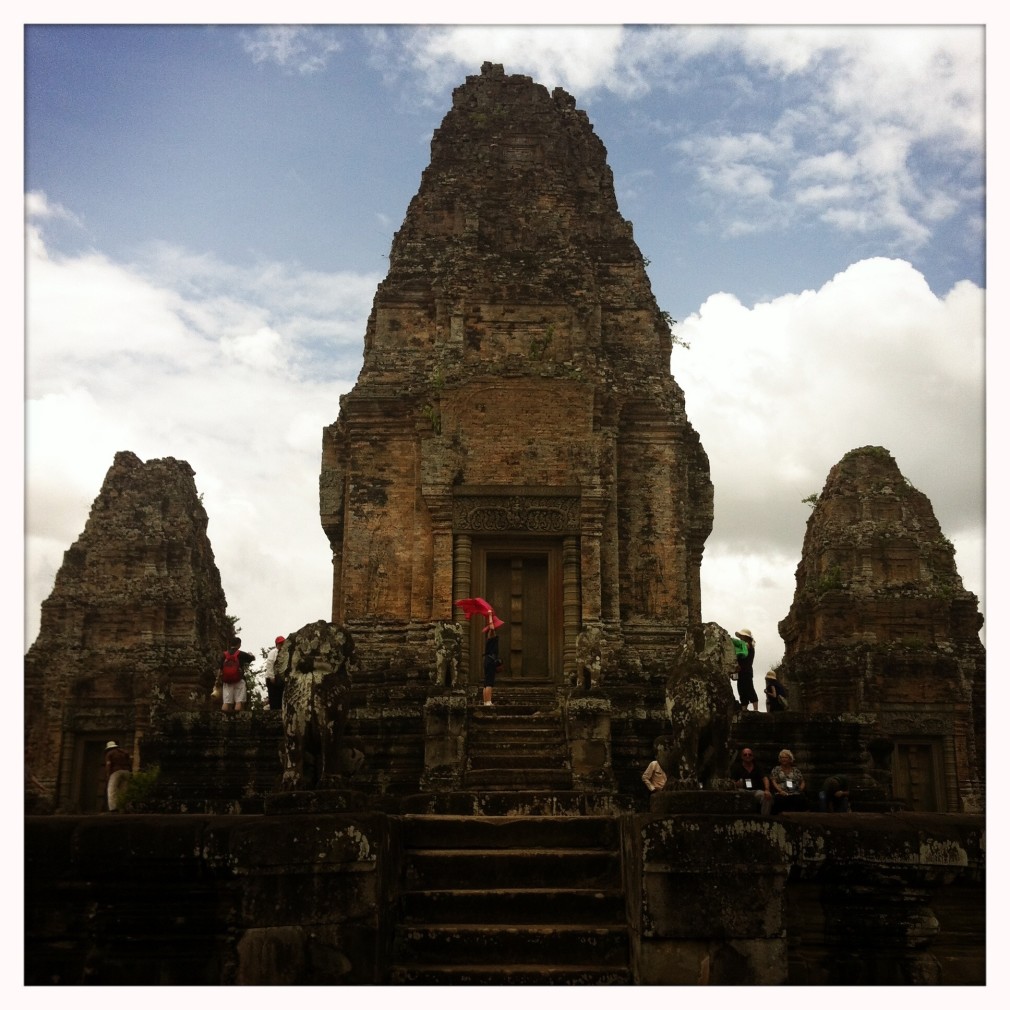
(492, 663)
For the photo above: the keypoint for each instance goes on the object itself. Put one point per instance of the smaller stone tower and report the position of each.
(137, 615)
(882, 626)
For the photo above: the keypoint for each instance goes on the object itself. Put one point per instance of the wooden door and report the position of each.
(918, 775)
(89, 776)
(522, 583)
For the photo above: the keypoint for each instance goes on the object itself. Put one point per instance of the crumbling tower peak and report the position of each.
(882, 626)
(137, 613)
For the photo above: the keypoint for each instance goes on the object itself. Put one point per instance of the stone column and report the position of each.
(593, 511)
(572, 607)
(440, 506)
(462, 559)
(337, 610)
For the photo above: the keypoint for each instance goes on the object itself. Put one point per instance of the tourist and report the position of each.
(232, 676)
(118, 771)
(743, 644)
(492, 664)
(775, 693)
(654, 777)
(834, 795)
(787, 784)
(275, 686)
(750, 777)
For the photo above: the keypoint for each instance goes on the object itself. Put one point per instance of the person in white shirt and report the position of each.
(275, 686)
(654, 777)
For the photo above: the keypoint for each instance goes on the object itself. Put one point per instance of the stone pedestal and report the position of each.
(588, 721)
(444, 740)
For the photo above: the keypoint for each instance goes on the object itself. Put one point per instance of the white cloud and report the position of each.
(575, 59)
(780, 391)
(39, 207)
(840, 103)
(236, 371)
(821, 195)
(302, 49)
(829, 167)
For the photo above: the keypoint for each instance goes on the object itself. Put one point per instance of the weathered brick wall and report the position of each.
(516, 343)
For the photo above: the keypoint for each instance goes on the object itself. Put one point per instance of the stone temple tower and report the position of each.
(136, 618)
(515, 432)
(882, 628)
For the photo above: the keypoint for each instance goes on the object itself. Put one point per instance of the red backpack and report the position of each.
(231, 668)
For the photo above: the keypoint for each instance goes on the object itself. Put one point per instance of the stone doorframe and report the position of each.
(522, 514)
(485, 550)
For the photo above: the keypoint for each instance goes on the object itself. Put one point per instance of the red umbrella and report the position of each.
(475, 605)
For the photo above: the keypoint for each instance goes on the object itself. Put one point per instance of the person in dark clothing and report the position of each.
(275, 686)
(743, 644)
(751, 777)
(775, 693)
(834, 795)
(491, 663)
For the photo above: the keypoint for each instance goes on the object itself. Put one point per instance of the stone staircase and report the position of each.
(511, 901)
(518, 743)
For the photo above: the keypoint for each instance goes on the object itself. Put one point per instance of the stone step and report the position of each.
(434, 832)
(487, 718)
(512, 974)
(517, 779)
(483, 869)
(483, 943)
(488, 741)
(515, 740)
(517, 745)
(511, 901)
(529, 707)
(591, 906)
(477, 802)
(493, 742)
(525, 759)
(506, 747)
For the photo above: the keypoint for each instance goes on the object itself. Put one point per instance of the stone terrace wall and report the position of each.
(190, 900)
(310, 899)
(806, 899)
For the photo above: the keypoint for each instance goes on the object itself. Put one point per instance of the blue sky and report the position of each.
(208, 212)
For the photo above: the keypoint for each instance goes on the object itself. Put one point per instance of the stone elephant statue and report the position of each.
(315, 664)
(700, 703)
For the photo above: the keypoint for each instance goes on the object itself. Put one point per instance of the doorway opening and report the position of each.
(918, 774)
(522, 581)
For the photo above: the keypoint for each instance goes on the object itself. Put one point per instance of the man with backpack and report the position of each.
(232, 676)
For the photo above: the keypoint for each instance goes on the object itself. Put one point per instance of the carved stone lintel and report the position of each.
(554, 514)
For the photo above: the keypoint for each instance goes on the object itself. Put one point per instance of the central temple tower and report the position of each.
(515, 432)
